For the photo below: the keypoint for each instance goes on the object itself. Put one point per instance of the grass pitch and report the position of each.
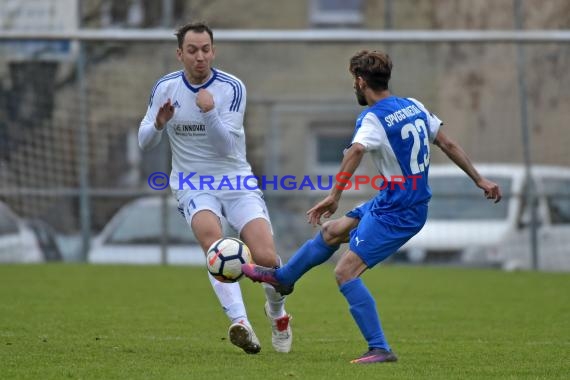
(121, 322)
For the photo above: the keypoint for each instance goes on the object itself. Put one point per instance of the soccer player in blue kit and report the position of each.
(397, 133)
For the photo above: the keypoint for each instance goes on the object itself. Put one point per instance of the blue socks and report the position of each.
(311, 254)
(362, 305)
(363, 310)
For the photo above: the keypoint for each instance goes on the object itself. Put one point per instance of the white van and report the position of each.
(465, 227)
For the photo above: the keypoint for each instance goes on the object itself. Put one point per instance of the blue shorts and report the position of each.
(380, 234)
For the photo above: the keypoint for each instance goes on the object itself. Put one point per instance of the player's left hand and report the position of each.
(491, 189)
(205, 100)
(324, 208)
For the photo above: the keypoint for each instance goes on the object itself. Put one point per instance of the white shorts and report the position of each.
(238, 207)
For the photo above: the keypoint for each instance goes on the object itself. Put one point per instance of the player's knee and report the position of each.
(332, 234)
(342, 275)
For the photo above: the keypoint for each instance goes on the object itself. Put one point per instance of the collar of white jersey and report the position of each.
(212, 78)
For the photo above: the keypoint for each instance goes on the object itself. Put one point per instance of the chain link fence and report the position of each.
(69, 157)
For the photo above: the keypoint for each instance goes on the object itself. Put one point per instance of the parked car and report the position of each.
(135, 236)
(465, 227)
(21, 241)
(47, 239)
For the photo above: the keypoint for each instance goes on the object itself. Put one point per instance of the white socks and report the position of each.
(275, 301)
(229, 295)
(231, 299)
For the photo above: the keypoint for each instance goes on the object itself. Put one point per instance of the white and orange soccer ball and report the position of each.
(225, 257)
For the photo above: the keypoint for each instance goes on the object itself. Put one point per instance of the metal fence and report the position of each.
(69, 154)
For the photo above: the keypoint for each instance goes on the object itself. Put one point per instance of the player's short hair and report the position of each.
(196, 27)
(375, 67)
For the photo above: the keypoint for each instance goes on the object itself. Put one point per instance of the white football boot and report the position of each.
(281, 333)
(242, 335)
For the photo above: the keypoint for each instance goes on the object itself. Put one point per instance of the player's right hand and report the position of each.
(324, 208)
(164, 114)
(491, 189)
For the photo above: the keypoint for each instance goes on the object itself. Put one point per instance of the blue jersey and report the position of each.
(397, 133)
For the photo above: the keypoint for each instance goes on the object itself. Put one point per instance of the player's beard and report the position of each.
(360, 98)
(200, 76)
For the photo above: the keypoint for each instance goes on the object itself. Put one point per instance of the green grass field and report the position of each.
(110, 322)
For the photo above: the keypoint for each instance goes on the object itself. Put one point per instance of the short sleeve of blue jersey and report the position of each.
(357, 125)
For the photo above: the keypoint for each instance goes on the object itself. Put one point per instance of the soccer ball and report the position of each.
(225, 257)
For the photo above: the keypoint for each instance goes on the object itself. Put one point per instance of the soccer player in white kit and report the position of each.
(202, 111)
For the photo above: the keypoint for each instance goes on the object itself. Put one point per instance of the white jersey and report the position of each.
(187, 131)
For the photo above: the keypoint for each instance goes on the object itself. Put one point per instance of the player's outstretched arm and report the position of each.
(328, 206)
(454, 151)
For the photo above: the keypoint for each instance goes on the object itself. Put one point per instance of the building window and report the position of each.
(330, 148)
(140, 13)
(327, 144)
(336, 13)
